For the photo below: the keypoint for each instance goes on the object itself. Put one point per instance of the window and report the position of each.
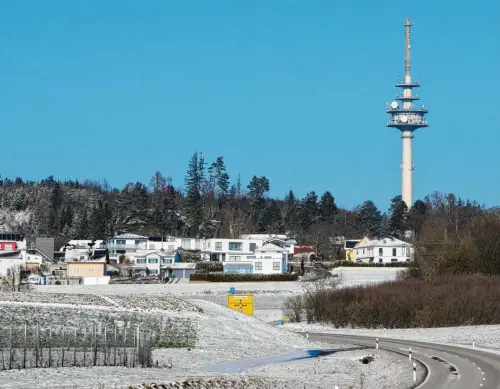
(76, 271)
(394, 260)
(276, 266)
(140, 261)
(287, 245)
(258, 265)
(394, 252)
(235, 246)
(120, 241)
(381, 251)
(218, 246)
(363, 251)
(152, 260)
(253, 246)
(137, 241)
(166, 260)
(234, 258)
(408, 252)
(154, 271)
(380, 260)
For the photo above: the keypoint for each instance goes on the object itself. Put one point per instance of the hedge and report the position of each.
(357, 264)
(228, 277)
(206, 267)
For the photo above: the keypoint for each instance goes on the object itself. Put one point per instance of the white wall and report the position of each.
(384, 254)
(104, 280)
(6, 263)
(215, 245)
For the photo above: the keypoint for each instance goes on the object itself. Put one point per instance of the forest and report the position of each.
(211, 204)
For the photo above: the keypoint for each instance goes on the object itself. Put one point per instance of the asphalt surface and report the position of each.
(448, 366)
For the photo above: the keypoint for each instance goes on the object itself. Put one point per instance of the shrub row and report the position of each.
(207, 267)
(357, 264)
(226, 277)
(449, 301)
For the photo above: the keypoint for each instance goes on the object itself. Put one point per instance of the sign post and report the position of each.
(241, 303)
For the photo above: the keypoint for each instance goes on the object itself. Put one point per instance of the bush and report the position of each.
(228, 277)
(410, 303)
(357, 264)
(293, 308)
(208, 267)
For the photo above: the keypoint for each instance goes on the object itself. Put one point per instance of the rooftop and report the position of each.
(385, 242)
(130, 236)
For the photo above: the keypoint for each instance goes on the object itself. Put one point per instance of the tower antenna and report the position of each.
(407, 119)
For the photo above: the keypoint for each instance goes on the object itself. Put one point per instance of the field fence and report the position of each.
(33, 346)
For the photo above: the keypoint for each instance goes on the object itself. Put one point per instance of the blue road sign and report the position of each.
(282, 322)
(232, 291)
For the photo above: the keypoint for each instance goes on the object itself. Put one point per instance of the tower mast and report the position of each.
(407, 119)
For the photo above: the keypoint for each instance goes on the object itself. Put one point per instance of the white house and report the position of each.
(271, 259)
(267, 259)
(280, 240)
(385, 250)
(126, 244)
(233, 250)
(152, 260)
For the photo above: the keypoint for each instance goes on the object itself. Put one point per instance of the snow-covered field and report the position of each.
(222, 335)
(485, 337)
(268, 296)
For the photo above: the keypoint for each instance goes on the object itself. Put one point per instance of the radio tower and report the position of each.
(407, 119)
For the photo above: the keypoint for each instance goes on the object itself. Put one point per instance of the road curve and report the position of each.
(474, 369)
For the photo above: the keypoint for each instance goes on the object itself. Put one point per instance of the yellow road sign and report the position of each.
(241, 303)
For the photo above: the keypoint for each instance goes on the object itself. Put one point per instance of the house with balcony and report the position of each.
(233, 250)
(387, 250)
(267, 259)
(126, 244)
(280, 240)
(143, 262)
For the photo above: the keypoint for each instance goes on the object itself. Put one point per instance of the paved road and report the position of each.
(474, 369)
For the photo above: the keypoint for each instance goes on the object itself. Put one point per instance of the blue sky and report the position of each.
(293, 90)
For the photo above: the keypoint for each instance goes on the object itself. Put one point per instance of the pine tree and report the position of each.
(193, 201)
(309, 211)
(270, 220)
(291, 218)
(257, 187)
(416, 216)
(370, 219)
(327, 208)
(398, 212)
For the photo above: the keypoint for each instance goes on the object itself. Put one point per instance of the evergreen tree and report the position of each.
(398, 212)
(219, 179)
(291, 218)
(257, 187)
(194, 182)
(416, 216)
(309, 211)
(327, 208)
(270, 220)
(160, 207)
(370, 219)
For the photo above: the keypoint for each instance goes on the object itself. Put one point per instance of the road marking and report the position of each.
(484, 379)
(482, 372)
(481, 385)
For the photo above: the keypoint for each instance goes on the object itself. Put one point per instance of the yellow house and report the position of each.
(85, 269)
(350, 253)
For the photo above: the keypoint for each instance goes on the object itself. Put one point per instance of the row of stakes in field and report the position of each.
(33, 347)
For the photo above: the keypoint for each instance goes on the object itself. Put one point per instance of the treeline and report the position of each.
(210, 204)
